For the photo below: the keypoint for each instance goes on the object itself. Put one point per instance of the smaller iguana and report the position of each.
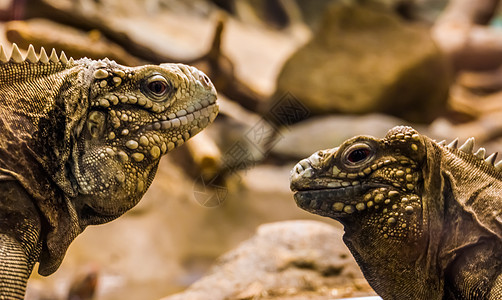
(423, 220)
(80, 142)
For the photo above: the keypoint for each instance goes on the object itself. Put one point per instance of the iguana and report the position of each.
(80, 142)
(423, 220)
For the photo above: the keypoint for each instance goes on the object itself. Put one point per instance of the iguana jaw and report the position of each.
(334, 203)
(327, 196)
(190, 123)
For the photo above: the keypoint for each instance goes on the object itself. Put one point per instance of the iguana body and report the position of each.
(423, 220)
(80, 142)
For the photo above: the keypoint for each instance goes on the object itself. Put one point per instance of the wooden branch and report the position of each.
(221, 71)
(204, 153)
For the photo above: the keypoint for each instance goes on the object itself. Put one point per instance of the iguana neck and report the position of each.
(390, 269)
(34, 90)
(44, 99)
(464, 183)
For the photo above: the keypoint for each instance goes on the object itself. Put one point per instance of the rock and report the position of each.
(83, 286)
(259, 53)
(322, 132)
(284, 260)
(365, 59)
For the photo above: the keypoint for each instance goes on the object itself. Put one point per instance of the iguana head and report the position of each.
(374, 187)
(369, 181)
(99, 128)
(136, 115)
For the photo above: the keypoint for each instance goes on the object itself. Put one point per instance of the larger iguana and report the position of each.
(80, 142)
(423, 220)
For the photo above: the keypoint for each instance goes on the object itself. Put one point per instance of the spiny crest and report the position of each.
(31, 56)
(468, 147)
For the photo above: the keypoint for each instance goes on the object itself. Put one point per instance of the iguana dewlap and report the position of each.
(80, 142)
(423, 220)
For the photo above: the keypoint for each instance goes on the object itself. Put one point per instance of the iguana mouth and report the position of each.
(334, 200)
(326, 195)
(325, 188)
(206, 109)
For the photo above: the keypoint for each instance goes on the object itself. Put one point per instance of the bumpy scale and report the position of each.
(423, 220)
(80, 142)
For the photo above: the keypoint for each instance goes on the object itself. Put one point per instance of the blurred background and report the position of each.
(293, 77)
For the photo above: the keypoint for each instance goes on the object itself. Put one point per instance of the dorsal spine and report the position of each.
(468, 147)
(31, 57)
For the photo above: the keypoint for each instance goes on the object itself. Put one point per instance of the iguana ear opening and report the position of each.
(96, 124)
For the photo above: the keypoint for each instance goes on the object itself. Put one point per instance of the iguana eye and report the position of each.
(157, 88)
(357, 154)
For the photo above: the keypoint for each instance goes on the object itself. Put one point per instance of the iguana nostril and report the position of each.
(298, 169)
(307, 173)
(304, 163)
(205, 80)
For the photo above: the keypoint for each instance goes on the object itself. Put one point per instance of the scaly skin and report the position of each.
(80, 142)
(422, 220)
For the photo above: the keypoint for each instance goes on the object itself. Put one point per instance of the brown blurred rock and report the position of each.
(184, 31)
(366, 59)
(475, 109)
(281, 14)
(484, 130)
(283, 260)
